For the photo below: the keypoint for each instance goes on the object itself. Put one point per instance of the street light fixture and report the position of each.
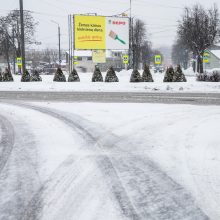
(58, 40)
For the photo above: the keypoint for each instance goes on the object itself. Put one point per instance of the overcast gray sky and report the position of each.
(160, 16)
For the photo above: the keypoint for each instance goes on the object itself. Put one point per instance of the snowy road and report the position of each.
(127, 97)
(62, 161)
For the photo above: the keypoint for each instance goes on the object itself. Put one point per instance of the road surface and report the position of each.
(100, 181)
(118, 97)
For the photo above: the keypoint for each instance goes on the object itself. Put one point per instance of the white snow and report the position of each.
(123, 85)
(182, 139)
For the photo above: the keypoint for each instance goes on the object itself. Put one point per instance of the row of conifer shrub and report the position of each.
(171, 75)
(213, 76)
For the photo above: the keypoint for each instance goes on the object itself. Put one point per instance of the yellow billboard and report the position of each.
(98, 56)
(89, 32)
(100, 33)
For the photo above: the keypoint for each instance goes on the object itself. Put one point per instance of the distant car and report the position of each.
(81, 69)
(158, 69)
(49, 71)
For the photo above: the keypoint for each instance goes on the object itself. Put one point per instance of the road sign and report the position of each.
(98, 56)
(19, 62)
(157, 59)
(206, 57)
(125, 59)
(75, 59)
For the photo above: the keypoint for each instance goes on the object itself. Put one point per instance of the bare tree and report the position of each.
(139, 41)
(180, 54)
(198, 30)
(6, 41)
(13, 23)
(10, 33)
(146, 52)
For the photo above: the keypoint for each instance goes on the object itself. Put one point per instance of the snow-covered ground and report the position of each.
(109, 161)
(123, 85)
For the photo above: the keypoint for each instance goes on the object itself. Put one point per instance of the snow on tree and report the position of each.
(135, 76)
(26, 77)
(169, 74)
(179, 75)
(73, 76)
(59, 76)
(146, 76)
(111, 75)
(97, 75)
(35, 77)
(7, 76)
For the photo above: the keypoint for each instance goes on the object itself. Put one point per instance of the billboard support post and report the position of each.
(69, 31)
(73, 42)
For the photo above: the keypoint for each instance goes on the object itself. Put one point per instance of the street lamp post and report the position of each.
(22, 37)
(58, 40)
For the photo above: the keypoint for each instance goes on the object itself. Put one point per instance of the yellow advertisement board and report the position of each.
(98, 56)
(100, 33)
(89, 32)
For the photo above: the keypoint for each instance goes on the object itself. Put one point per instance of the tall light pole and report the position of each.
(22, 37)
(58, 40)
(131, 47)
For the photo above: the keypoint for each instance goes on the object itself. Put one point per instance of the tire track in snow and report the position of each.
(141, 189)
(19, 176)
(105, 165)
(196, 172)
(7, 141)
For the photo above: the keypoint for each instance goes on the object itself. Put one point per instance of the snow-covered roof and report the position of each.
(216, 53)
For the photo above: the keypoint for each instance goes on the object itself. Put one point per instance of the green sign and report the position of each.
(206, 57)
(157, 59)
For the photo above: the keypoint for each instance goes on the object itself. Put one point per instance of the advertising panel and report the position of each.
(98, 56)
(99, 32)
(117, 33)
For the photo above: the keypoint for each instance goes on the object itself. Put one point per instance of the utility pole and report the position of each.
(58, 40)
(22, 37)
(14, 56)
(59, 44)
(131, 46)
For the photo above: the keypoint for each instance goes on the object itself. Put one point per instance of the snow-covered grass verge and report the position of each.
(85, 84)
